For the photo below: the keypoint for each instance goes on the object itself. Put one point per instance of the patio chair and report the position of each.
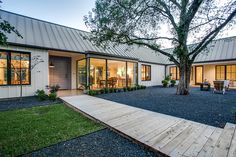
(219, 87)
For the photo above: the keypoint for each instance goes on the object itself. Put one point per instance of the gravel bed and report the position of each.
(200, 106)
(103, 143)
(26, 102)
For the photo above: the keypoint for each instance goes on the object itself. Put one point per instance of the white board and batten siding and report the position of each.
(157, 74)
(39, 75)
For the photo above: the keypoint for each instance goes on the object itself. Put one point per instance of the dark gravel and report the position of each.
(104, 143)
(26, 102)
(200, 106)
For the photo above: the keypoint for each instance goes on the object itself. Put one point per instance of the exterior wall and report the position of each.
(39, 75)
(157, 74)
(74, 58)
(209, 72)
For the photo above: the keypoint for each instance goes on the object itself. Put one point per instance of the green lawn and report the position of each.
(25, 130)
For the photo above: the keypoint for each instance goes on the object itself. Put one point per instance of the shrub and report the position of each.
(124, 89)
(111, 90)
(119, 90)
(102, 91)
(52, 96)
(53, 88)
(129, 88)
(165, 83)
(115, 90)
(92, 92)
(106, 90)
(139, 87)
(41, 95)
(172, 83)
(143, 87)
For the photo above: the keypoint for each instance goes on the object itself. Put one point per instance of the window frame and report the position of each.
(225, 71)
(176, 74)
(9, 70)
(145, 72)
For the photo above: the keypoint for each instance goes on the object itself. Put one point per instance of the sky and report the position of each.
(65, 12)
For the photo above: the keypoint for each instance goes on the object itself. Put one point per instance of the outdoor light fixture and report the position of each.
(51, 65)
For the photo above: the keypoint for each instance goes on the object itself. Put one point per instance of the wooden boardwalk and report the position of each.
(165, 134)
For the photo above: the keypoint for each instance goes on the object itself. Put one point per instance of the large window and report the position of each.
(97, 75)
(231, 72)
(3, 68)
(146, 72)
(82, 78)
(220, 72)
(226, 72)
(132, 73)
(116, 74)
(174, 73)
(14, 68)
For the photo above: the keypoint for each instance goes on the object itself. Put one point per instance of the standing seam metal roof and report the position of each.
(38, 33)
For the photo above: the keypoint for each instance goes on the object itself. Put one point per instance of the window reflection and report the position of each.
(97, 75)
(131, 73)
(3, 68)
(19, 68)
(116, 74)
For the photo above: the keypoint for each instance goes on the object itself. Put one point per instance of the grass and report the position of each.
(25, 130)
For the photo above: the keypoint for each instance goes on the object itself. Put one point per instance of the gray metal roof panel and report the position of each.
(49, 35)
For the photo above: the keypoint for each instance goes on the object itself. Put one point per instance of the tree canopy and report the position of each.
(141, 22)
(6, 28)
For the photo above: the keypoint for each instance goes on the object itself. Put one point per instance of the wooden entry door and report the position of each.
(61, 72)
(198, 74)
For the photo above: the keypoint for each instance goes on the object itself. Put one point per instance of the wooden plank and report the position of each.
(223, 144)
(232, 150)
(159, 129)
(178, 139)
(169, 133)
(210, 144)
(196, 147)
(187, 142)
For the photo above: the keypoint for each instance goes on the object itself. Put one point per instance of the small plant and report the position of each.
(234, 113)
(102, 91)
(111, 90)
(139, 87)
(129, 88)
(41, 95)
(106, 90)
(172, 83)
(124, 89)
(92, 92)
(115, 90)
(52, 96)
(53, 88)
(165, 83)
(143, 87)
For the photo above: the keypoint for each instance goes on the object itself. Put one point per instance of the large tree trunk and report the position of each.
(184, 80)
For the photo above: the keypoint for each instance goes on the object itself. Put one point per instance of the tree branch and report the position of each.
(207, 39)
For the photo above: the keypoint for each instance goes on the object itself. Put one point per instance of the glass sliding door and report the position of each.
(131, 74)
(97, 74)
(116, 74)
(81, 74)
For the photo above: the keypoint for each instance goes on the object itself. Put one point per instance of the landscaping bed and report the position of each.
(25, 102)
(101, 143)
(26, 130)
(200, 106)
